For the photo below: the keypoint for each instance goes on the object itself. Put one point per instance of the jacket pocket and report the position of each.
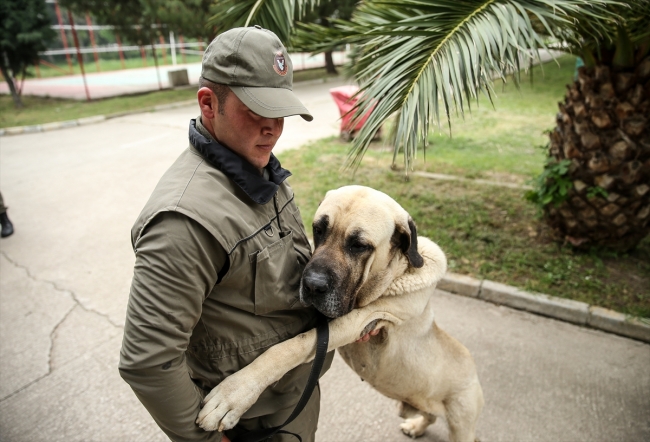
(277, 276)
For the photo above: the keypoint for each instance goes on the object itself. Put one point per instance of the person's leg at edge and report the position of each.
(7, 226)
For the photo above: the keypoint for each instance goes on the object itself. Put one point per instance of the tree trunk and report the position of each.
(329, 63)
(12, 87)
(603, 130)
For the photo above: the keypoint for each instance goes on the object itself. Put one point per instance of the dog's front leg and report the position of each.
(229, 400)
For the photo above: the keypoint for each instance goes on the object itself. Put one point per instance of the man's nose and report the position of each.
(272, 126)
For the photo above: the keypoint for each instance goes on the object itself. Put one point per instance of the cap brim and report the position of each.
(265, 101)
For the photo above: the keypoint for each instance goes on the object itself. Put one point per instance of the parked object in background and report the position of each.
(345, 100)
(178, 77)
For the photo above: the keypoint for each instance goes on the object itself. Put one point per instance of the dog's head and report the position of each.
(363, 240)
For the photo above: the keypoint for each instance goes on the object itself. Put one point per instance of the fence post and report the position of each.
(164, 49)
(79, 57)
(180, 38)
(144, 56)
(92, 41)
(63, 37)
(172, 42)
(119, 50)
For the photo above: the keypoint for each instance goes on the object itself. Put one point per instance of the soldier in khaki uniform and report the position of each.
(220, 247)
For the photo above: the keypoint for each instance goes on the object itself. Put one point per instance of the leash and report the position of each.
(322, 339)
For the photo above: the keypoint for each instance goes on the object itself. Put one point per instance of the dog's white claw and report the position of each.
(226, 404)
(414, 427)
(219, 413)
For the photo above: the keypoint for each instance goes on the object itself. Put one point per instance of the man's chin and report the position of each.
(261, 163)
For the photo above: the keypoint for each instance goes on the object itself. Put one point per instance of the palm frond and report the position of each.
(277, 15)
(423, 60)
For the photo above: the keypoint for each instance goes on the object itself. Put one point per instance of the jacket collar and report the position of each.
(240, 171)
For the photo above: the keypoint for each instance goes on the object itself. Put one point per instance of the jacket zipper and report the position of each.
(277, 214)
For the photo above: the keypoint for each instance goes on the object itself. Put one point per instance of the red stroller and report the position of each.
(342, 96)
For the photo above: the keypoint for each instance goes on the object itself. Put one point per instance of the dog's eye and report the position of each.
(317, 234)
(358, 247)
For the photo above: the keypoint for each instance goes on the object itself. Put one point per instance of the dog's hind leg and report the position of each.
(415, 421)
(462, 413)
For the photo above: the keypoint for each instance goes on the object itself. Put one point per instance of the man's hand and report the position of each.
(366, 337)
(224, 438)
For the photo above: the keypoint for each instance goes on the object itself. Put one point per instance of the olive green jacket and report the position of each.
(219, 255)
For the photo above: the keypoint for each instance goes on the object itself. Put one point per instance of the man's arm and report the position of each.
(176, 267)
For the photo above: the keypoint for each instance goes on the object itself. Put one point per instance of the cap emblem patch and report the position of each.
(280, 64)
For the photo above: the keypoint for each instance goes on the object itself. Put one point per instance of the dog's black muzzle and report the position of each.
(316, 284)
(317, 288)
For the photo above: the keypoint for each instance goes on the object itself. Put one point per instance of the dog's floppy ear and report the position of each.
(408, 243)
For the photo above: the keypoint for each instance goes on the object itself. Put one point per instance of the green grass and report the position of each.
(486, 232)
(502, 142)
(39, 110)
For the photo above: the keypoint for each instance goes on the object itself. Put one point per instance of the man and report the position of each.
(220, 247)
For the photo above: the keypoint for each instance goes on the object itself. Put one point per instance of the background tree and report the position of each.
(143, 21)
(134, 20)
(187, 17)
(24, 31)
(323, 15)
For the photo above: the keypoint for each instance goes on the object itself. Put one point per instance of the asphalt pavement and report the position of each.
(73, 195)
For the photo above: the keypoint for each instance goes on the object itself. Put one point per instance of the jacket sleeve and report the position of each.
(176, 267)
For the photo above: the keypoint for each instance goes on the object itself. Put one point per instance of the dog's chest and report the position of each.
(375, 359)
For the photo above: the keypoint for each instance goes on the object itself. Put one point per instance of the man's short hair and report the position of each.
(220, 90)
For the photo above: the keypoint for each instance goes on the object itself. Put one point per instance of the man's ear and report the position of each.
(408, 242)
(207, 102)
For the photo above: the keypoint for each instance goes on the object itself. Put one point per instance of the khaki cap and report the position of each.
(255, 65)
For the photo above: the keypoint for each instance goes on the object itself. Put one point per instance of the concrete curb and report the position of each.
(562, 309)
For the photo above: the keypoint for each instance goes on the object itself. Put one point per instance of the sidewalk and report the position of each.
(73, 195)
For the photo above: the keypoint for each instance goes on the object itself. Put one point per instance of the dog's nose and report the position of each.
(317, 283)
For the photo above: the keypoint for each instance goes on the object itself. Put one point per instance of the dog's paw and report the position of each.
(414, 427)
(226, 404)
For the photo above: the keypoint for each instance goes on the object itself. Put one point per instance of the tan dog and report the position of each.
(371, 272)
